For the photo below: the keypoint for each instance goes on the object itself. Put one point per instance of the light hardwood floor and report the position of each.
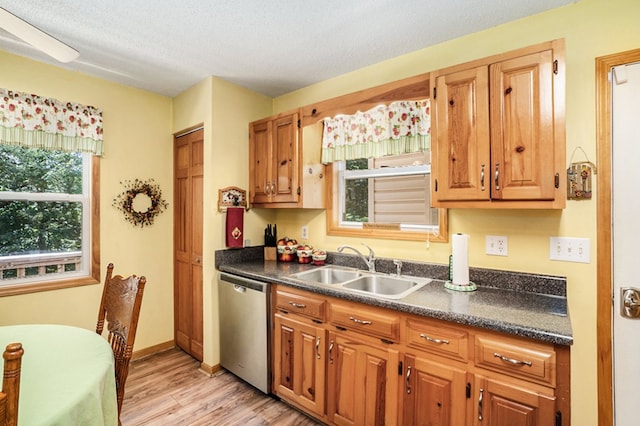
(169, 389)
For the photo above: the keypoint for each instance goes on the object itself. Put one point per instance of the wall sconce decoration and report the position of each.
(579, 178)
(232, 196)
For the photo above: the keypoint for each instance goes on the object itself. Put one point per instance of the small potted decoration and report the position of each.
(286, 249)
(304, 253)
(318, 256)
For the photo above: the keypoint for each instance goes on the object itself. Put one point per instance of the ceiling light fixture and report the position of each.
(36, 37)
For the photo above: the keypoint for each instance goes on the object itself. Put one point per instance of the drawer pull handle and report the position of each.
(331, 352)
(318, 347)
(480, 404)
(297, 305)
(511, 360)
(434, 340)
(359, 321)
(408, 380)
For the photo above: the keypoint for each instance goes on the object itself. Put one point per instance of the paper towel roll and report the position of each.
(460, 252)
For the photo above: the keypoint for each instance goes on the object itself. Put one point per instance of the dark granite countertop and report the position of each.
(528, 305)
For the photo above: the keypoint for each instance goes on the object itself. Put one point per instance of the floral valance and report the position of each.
(398, 128)
(38, 122)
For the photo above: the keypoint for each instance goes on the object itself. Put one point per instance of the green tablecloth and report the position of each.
(67, 376)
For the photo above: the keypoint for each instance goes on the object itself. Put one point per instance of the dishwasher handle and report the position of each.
(241, 284)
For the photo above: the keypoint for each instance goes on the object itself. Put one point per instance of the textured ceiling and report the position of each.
(270, 46)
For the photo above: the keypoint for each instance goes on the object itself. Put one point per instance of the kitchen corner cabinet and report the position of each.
(383, 367)
(281, 172)
(499, 135)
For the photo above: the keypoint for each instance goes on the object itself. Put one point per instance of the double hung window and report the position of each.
(49, 214)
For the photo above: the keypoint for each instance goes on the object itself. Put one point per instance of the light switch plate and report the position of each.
(569, 249)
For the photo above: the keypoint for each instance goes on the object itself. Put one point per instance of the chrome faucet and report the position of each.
(369, 260)
(398, 264)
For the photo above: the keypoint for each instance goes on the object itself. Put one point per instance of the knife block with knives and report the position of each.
(270, 241)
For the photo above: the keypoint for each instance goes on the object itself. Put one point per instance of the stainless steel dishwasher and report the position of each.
(244, 329)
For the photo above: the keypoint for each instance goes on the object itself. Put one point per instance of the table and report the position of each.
(67, 376)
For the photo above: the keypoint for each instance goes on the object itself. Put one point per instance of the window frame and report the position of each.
(336, 227)
(93, 258)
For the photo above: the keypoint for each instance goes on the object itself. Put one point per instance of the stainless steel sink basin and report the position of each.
(357, 281)
(386, 286)
(328, 275)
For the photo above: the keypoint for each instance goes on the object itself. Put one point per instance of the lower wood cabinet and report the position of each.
(362, 381)
(299, 367)
(502, 403)
(433, 393)
(347, 363)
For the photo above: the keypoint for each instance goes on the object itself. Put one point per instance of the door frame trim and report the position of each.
(604, 305)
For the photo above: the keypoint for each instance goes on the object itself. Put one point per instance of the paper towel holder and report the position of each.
(460, 287)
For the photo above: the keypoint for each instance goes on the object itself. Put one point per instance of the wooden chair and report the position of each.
(11, 384)
(120, 306)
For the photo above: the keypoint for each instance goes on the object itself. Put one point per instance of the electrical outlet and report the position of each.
(304, 232)
(569, 249)
(496, 245)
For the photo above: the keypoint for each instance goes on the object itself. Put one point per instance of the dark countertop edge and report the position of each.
(279, 277)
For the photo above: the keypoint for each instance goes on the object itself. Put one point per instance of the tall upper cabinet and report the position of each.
(499, 132)
(281, 172)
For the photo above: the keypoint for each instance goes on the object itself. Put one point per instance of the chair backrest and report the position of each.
(120, 307)
(11, 384)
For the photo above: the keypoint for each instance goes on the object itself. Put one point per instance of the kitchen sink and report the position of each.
(328, 275)
(371, 283)
(386, 286)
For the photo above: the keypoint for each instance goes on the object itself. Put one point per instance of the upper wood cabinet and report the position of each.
(498, 132)
(281, 173)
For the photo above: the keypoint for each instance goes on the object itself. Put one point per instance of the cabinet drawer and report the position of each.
(447, 341)
(307, 306)
(365, 320)
(528, 360)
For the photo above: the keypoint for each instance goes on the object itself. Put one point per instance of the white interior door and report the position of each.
(626, 236)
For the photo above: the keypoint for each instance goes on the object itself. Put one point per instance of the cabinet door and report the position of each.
(500, 402)
(299, 363)
(462, 166)
(260, 160)
(286, 164)
(434, 393)
(522, 128)
(363, 386)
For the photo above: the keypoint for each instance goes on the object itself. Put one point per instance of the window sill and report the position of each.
(17, 289)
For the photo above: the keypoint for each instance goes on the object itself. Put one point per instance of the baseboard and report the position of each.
(142, 353)
(210, 369)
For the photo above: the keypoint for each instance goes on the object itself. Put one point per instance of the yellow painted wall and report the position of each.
(591, 28)
(225, 110)
(137, 134)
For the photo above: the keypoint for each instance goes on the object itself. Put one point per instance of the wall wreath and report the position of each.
(134, 196)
